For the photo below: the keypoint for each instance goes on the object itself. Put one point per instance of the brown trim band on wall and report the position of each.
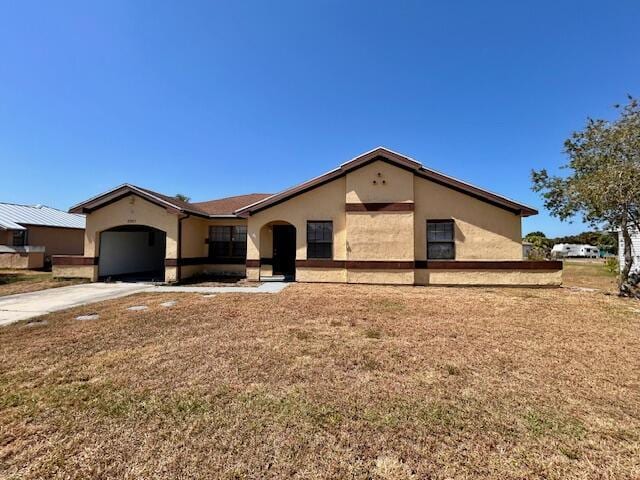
(320, 263)
(175, 262)
(432, 264)
(266, 261)
(252, 263)
(73, 260)
(380, 265)
(379, 207)
(357, 264)
(489, 265)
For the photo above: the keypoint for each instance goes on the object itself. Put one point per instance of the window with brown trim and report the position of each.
(19, 238)
(228, 241)
(320, 239)
(440, 240)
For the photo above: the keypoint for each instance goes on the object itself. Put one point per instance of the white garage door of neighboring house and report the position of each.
(134, 254)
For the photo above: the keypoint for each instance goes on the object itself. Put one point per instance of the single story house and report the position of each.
(381, 217)
(635, 249)
(30, 235)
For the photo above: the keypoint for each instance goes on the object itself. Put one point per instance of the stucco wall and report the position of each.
(194, 232)
(22, 260)
(57, 241)
(384, 277)
(131, 210)
(489, 277)
(328, 275)
(482, 231)
(392, 184)
(323, 203)
(380, 236)
(76, 271)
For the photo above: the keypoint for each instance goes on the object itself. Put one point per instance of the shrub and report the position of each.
(611, 265)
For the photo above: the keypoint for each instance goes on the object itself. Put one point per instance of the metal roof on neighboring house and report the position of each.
(15, 217)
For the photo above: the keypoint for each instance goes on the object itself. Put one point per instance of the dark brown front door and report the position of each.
(284, 250)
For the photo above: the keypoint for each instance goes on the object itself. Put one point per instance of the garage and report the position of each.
(132, 253)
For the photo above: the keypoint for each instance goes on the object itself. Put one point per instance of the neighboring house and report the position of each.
(566, 250)
(635, 250)
(378, 218)
(30, 235)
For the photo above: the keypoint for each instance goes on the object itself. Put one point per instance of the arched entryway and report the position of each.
(278, 249)
(132, 253)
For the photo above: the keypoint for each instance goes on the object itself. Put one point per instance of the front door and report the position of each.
(284, 250)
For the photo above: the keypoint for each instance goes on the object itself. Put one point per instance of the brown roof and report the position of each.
(244, 205)
(401, 161)
(222, 206)
(186, 206)
(228, 205)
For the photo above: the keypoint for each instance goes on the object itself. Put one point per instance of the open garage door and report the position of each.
(132, 253)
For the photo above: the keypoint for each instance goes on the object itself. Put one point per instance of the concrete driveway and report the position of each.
(14, 308)
(23, 306)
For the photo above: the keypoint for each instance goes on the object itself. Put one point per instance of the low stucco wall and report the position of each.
(381, 277)
(514, 277)
(76, 271)
(230, 270)
(327, 275)
(22, 260)
(489, 277)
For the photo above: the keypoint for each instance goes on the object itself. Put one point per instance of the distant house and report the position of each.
(29, 235)
(635, 250)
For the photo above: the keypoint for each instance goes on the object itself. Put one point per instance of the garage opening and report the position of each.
(133, 253)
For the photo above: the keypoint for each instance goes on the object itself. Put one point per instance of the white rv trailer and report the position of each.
(566, 250)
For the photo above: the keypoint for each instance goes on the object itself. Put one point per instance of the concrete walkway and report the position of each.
(23, 306)
(268, 287)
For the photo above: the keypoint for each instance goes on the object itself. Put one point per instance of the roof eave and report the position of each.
(402, 161)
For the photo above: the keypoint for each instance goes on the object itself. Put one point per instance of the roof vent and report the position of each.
(37, 206)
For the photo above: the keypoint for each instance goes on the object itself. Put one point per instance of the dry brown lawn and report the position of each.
(328, 381)
(589, 274)
(24, 281)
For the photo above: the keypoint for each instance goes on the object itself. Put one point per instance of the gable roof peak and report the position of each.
(381, 151)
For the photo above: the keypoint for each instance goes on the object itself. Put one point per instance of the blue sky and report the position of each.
(220, 98)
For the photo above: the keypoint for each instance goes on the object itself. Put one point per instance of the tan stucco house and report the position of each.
(31, 234)
(381, 217)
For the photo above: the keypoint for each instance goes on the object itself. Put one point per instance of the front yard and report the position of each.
(25, 281)
(327, 381)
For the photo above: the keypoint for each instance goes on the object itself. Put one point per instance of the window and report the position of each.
(320, 239)
(228, 242)
(440, 241)
(19, 238)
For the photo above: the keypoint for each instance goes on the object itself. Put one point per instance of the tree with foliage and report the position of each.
(181, 197)
(540, 245)
(604, 181)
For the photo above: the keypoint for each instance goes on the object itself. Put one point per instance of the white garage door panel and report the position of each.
(129, 252)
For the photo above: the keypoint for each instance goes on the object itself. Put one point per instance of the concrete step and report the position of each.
(272, 278)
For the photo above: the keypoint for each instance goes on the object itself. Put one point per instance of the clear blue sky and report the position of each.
(221, 98)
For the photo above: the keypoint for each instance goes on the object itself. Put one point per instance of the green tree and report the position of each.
(181, 197)
(603, 185)
(541, 245)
